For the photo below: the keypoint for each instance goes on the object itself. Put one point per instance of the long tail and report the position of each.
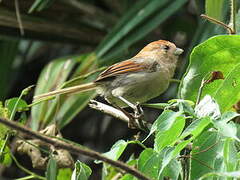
(74, 89)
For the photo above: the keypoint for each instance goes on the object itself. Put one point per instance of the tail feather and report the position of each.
(74, 89)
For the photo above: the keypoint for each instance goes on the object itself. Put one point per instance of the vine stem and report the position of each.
(74, 149)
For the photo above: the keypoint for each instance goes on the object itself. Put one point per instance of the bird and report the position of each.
(135, 80)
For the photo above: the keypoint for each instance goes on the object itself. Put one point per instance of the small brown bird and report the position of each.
(135, 80)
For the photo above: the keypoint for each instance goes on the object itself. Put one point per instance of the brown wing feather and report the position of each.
(121, 68)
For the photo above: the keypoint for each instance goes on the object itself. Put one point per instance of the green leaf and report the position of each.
(196, 127)
(81, 171)
(116, 150)
(5, 157)
(10, 104)
(164, 121)
(227, 129)
(172, 153)
(230, 155)
(128, 177)
(219, 53)
(214, 8)
(4, 113)
(64, 173)
(52, 169)
(172, 170)
(170, 136)
(228, 116)
(228, 93)
(149, 163)
(207, 155)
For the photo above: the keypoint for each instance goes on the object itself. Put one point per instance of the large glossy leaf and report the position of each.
(219, 53)
(212, 153)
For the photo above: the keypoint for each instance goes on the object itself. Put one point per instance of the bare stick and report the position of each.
(114, 112)
(74, 148)
(108, 110)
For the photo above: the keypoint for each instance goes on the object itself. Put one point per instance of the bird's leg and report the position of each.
(138, 112)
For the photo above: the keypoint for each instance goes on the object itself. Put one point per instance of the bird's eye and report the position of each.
(166, 47)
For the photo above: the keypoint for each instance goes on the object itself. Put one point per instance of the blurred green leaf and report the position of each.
(8, 52)
(67, 106)
(64, 173)
(52, 77)
(52, 170)
(5, 157)
(39, 5)
(10, 104)
(135, 24)
(169, 136)
(4, 113)
(220, 53)
(81, 171)
(214, 8)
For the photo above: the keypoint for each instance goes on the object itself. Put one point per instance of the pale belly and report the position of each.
(138, 87)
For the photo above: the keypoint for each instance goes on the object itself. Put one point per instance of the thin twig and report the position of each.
(74, 148)
(19, 17)
(26, 170)
(215, 21)
(200, 91)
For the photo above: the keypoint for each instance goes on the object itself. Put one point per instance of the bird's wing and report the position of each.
(123, 67)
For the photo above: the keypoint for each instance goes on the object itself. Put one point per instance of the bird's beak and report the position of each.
(178, 51)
